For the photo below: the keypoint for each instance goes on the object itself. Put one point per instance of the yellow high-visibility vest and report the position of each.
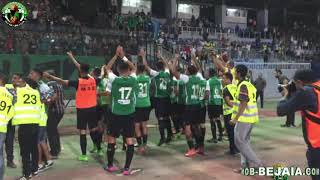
(44, 116)
(28, 106)
(232, 89)
(6, 108)
(9, 86)
(250, 114)
(234, 73)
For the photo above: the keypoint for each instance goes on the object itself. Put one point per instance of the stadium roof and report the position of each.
(258, 3)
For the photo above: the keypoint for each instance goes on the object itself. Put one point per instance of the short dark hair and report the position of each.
(3, 78)
(228, 76)
(96, 71)
(160, 65)
(52, 73)
(17, 74)
(192, 70)
(141, 68)
(37, 70)
(231, 63)
(33, 84)
(305, 75)
(242, 69)
(212, 72)
(278, 70)
(123, 66)
(84, 68)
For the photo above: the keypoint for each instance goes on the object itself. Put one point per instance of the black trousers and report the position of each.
(230, 132)
(260, 94)
(28, 141)
(313, 156)
(290, 119)
(53, 133)
(10, 141)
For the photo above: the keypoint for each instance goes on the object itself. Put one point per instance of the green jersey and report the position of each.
(103, 100)
(181, 90)
(162, 81)
(215, 87)
(123, 94)
(202, 92)
(143, 94)
(174, 86)
(192, 88)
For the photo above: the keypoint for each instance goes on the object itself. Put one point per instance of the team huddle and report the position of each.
(117, 100)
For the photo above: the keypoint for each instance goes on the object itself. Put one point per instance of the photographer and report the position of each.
(305, 98)
(284, 81)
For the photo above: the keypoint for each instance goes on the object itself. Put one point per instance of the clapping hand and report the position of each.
(69, 53)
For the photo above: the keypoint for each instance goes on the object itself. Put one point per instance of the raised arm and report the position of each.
(108, 67)
(73, 59)
(196, 62)
(132, 66)
(103, 73)
(59, 80)
(142, 53)
(125, 59)
(159, 56)
(217, 63)
(174, 67)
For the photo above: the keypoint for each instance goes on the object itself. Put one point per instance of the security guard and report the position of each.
(245, 115)
(9, 143)
(27, 115)
(229, 90)
(6, 113)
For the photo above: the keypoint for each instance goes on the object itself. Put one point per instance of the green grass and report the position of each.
(266, 134)
(270, 105)
(70, 119)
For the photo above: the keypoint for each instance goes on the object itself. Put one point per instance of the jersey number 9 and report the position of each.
(3, 106)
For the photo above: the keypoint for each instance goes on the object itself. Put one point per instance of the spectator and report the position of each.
(55, 114)
(9, 44)
(35, 15)
(260, 84)
(284, 81)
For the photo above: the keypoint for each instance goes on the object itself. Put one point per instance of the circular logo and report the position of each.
(14, 14)
(278, 167)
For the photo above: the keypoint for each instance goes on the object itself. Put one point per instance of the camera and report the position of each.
(291, 87)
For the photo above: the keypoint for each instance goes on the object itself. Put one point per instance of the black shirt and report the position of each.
(226, 93)
(302, 99)
(281, 79)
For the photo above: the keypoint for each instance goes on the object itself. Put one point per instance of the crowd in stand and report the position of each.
(297, 42)
(50, 32)
(27, 42)
(138, 21)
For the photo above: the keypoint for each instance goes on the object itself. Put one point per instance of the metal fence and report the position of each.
(227, 32)
(276, 65)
